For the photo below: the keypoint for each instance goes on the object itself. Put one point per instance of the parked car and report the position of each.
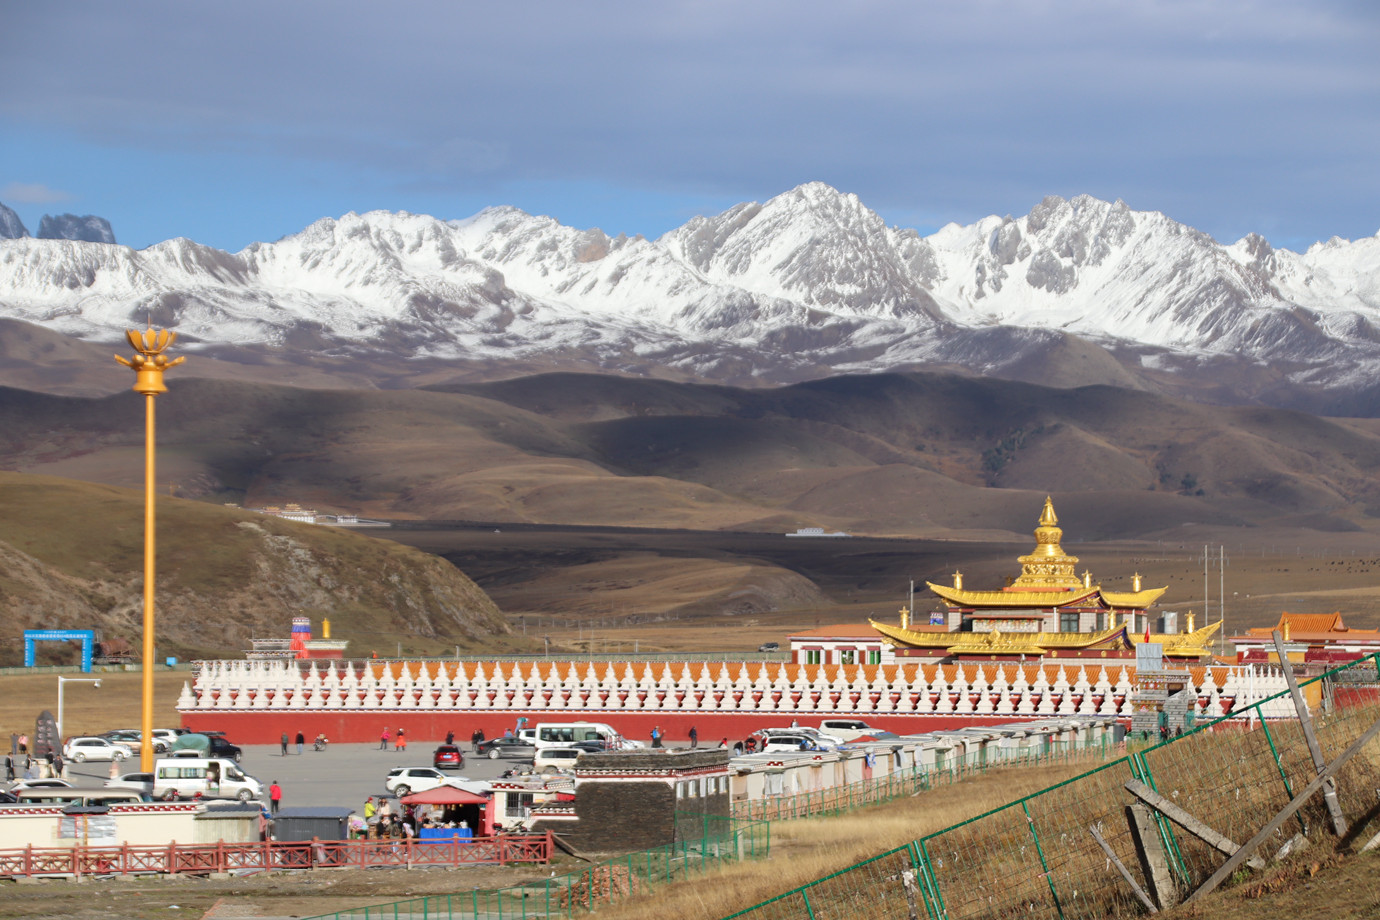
(139, 782)
(824, 739)
(769, 647)
(447, 756)
(788, 741)
(852, 729)
(84, 749)
(131, 737)
(403, 781)
(555, 759)
(40, 784)
(494, 748)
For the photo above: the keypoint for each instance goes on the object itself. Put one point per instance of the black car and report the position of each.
(216, 746)
(518, 748)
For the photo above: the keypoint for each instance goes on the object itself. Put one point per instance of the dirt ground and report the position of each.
(86, 708)
(613, 589)
(284, 894)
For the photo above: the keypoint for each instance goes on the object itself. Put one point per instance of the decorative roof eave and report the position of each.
(1049, 599)
(955, 642)
(1136, 600)
(1182, 645)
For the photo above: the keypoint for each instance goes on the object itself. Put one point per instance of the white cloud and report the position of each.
(32, 193)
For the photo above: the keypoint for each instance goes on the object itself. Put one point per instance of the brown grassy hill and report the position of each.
(901, 453)
(71, 556)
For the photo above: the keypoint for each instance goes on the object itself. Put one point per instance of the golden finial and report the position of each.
(1135, 582)
(958, 580)
(1087, 578)
(1047, 517)
(1286, 630)
(149, 362)
(905, 618)
(1190, 621)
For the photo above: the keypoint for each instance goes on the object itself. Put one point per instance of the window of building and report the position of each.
(847, 656)
(813, 656)
(874, 656)
(1068, 622)
(518, 803)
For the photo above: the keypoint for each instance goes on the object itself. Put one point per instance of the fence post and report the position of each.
(1044, 865)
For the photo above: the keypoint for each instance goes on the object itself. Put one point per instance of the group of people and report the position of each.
(384, 818)
(399, 740)
(20, 764)
(318, 744)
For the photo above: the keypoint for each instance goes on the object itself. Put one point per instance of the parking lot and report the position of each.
(342, 775)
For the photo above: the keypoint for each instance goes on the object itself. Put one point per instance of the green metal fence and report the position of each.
(839, 799)
(702, 843)
(1037, 857)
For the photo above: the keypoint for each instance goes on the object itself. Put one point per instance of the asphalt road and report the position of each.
(342, 775)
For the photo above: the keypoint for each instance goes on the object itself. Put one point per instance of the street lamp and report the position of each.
(63, 681)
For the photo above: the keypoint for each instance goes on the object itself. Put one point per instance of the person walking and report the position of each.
(275, 795)
(285, 744)
(9, 766)
(24, 744)
(401, 743)
(14, 743)
(384, 739)
(474, 740)
(59, 766)
(450, 737)
(656, 736)
(694, 738)
(301, 740)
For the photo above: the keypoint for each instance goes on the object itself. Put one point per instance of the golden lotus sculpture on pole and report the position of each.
(149, 363)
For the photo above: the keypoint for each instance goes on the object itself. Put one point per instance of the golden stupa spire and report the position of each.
(1048, 566)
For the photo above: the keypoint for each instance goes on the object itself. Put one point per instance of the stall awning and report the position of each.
(445, 795)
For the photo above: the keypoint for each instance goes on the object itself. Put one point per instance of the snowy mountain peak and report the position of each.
(807, 282)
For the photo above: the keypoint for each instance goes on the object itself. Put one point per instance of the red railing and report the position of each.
(175, 858)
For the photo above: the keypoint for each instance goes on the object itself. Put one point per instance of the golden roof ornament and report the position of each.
(149, 362)
(1048, 566)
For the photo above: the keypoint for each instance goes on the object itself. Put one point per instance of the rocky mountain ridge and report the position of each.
(807, 284)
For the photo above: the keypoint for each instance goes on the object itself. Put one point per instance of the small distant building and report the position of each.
(1309, 638)
(845, 643)
(817, 532)
(636, 800)
(299, 645)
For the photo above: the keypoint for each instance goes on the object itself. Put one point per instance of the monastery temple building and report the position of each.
(1048, 612)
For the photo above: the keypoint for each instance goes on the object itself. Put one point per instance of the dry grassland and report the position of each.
(805, 850)
(87, 709)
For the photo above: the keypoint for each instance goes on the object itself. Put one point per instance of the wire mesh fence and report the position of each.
(1050, 855)
(702, 842)
(839, 799)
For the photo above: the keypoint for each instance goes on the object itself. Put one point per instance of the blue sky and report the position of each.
(234, 122)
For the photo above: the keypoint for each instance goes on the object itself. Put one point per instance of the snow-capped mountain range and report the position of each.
(806, 284)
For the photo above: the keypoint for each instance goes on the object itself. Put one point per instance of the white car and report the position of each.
(81, 750)
(403, 781)
(555, 759)
(851, 729)
(139, 782)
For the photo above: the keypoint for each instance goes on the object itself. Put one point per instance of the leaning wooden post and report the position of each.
(1294, 805)
(1334, 808)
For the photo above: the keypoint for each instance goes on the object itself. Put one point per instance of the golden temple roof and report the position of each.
(1176, 645)
(1048, 579)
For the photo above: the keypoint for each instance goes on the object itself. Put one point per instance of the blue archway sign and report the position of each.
(87, 638)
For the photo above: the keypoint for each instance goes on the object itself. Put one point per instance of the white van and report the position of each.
(213, 777)
(69, 796)
(562, 734)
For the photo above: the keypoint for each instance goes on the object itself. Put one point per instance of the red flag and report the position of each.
(1147, 630)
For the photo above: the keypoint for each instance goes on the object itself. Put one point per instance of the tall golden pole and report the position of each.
(148, 363)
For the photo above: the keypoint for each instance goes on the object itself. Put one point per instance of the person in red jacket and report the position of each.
(275, 795)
